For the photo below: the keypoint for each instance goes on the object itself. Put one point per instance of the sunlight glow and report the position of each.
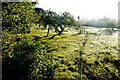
(86, 9)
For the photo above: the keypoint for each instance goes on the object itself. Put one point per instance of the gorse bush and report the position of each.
(28, 60)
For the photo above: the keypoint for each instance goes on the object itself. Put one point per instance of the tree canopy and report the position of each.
(17, 16)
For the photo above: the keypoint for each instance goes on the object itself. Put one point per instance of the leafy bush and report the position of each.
(26, 59)
(18, 16)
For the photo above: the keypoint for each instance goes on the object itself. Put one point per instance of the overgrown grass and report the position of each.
(99, 59)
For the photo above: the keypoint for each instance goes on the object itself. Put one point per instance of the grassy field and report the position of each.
(81, 56)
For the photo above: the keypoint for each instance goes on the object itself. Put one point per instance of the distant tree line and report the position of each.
(103, 23)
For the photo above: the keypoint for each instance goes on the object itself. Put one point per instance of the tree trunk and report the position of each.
(62, 29)
(48, 31)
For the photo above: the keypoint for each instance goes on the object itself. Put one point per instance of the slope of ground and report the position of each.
(99, 59)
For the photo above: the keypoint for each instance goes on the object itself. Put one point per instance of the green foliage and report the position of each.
(25, 59)
(57, 21)
(18, 16)
(68, 19)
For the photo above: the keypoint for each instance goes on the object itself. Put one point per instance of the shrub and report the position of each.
(27, 60)
(18, 16)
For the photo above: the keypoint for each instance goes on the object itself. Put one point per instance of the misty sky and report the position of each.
(86, 9)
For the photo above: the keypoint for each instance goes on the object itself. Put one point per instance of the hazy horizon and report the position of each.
(86, 9)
